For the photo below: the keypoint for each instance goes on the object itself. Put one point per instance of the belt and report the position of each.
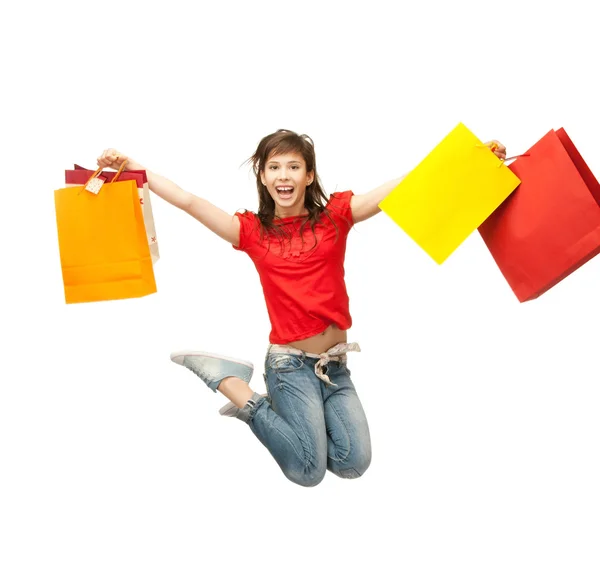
(336, 353)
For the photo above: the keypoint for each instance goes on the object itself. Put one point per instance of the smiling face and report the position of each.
(286, 179)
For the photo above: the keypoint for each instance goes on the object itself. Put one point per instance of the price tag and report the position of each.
(95, 184)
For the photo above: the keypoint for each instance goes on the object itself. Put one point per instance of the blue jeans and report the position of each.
(308, 426)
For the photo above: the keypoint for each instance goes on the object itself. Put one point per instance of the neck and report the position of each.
(296, 210)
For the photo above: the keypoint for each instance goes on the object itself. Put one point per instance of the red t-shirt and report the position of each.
(303, 284)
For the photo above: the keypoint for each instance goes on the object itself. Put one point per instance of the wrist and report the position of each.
(133, 165)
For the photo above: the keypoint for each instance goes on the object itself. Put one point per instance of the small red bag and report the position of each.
(550, 225)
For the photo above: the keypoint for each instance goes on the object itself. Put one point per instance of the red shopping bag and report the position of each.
(550, 225)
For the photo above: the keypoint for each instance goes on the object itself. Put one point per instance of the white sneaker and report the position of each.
(213, 368)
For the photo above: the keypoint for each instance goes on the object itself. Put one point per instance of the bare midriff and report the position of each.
(321, 342)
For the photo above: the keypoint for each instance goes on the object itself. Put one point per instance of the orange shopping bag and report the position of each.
(104, 250)
(80, 175)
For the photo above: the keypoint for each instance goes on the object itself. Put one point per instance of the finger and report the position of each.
(110, 158)
(110, 154)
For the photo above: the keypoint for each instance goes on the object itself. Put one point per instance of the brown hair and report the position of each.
(283, 142)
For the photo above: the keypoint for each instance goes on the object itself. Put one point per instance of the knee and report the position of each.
(308, 478)
(354, 467)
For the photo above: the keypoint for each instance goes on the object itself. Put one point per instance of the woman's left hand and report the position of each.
(497, 148)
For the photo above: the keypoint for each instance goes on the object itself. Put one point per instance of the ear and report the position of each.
(310, 177)
(262, 177)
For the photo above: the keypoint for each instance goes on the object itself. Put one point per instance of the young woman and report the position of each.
(311, 419)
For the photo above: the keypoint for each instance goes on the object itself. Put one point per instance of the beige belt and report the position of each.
(336, 353)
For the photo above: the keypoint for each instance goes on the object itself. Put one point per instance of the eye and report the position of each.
(272, 167)
(295, 167)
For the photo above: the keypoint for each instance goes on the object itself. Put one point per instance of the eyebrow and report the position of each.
(290, 162)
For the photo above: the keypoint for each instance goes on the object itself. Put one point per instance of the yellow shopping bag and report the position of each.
(104, 250)
(450, 193)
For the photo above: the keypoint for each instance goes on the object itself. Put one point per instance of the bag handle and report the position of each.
(100, 169)
(505, 159)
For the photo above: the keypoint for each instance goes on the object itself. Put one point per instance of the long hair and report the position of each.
(283, 142)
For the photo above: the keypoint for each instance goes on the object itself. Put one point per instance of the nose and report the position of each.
(283, 173)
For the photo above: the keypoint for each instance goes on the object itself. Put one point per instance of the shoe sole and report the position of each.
(227, 409)
(178, 357)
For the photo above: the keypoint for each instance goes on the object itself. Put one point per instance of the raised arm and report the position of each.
(217, 220)
(365, 206)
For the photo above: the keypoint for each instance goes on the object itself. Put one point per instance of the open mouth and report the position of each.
(285, 192)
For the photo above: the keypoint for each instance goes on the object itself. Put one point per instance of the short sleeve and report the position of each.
(339, 206)
(249, 228)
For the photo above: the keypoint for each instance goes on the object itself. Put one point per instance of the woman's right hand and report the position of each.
(111, 158)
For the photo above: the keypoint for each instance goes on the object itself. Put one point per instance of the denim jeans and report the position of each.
(309, 426)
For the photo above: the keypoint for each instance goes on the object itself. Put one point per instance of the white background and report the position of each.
(115, 465)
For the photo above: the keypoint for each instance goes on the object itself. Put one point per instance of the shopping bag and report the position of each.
(104, 252)
(550, 226)
(450, 193)
(80, 175)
